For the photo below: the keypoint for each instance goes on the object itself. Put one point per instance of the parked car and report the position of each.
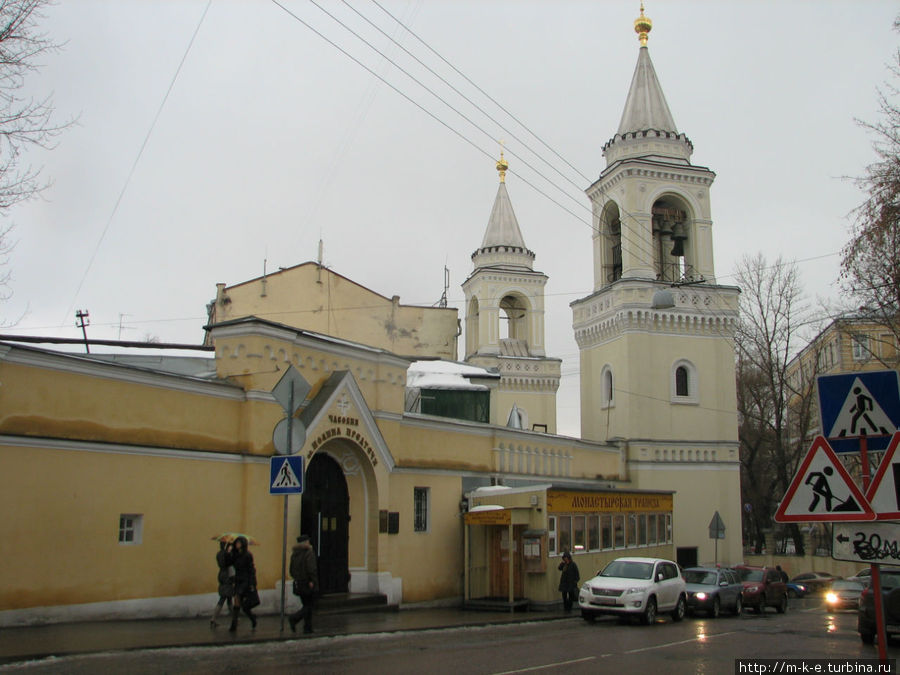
(865, 619)
(795, 590)
(865, 574)
(712, 589)
(815, 582)
(640, 587)
(844, 594)
(763, 588)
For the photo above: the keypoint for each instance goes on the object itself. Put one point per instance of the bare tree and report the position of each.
(773, 314)
(24, 121)
(870, 268)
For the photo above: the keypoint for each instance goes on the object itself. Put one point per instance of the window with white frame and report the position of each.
(420, 509)
(683, 382)
(860, 342)
(130, 528)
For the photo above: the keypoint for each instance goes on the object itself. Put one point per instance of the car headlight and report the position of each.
(630, 591)
(831, 598)
(752, 589)
(700, 596)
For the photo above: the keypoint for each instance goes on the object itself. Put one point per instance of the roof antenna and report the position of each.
(443, 301)
(264, 279)
(321, 250)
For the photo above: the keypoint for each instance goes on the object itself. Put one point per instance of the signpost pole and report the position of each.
(284, 524)
(876, 573)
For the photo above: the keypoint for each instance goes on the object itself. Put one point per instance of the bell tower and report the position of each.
(505, 320)
(656, 336)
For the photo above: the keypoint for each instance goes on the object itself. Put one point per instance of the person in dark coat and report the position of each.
(305, 573)
(568, 580)
(226, 581)
(244, 581)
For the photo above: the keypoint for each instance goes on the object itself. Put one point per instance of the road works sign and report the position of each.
(884, 490)
(286, 475)
(822, 491)
(859, 404)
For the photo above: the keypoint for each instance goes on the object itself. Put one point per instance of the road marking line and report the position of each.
(681, 642)
(548, 665)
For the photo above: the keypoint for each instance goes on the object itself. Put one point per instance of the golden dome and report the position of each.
(502, 166)
(642, 26)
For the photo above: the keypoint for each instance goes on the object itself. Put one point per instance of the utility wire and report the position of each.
(134, 165)
(421, 107)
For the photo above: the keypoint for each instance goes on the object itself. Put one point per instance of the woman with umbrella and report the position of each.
(245, 594)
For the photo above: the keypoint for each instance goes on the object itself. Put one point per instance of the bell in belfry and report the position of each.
(678, 237)
(665, 227)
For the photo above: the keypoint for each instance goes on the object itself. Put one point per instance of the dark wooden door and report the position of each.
(325, 517)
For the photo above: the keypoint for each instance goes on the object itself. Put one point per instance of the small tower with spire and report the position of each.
(505, 318)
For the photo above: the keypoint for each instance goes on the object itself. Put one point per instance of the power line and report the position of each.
(137, 159)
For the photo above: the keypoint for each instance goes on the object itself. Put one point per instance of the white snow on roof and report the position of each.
(446, 375)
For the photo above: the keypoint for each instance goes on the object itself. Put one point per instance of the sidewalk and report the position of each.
(33, 642)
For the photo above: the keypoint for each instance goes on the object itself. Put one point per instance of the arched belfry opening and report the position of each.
(672, 234)
(473, 327)
(611, 237)
(514, 319)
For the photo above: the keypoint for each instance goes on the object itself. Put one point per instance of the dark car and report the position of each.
(890, 591)
(763, 588)
(712, 589)
(815, 582)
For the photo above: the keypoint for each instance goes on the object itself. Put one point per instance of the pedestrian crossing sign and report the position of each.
(286, 475)
(822, 491)
(859, 404)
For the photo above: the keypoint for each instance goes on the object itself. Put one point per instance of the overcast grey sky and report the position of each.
(271, 138)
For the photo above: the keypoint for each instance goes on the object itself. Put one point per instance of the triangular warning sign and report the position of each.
(285, 478)
(860, 415)
(822, 491)
(884, 490)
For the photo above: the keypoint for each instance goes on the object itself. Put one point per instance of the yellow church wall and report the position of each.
(539, 405)
(721, 492)
(61, 523)
(316, 299)
(451, 445)
(258, 361)
(647, 409)
(51, 402)
(428, 563)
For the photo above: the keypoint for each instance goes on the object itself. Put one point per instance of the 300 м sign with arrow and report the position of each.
(869, 542)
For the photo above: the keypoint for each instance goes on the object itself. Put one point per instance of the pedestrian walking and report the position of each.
(246, 596)
(226, 581)
(305, 573)
(568, 580)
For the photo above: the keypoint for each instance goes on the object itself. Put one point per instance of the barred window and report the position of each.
(420, 509)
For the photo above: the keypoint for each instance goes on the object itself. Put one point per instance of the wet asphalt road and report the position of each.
(554, 644)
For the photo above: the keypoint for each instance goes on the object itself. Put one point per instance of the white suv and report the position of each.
(635, 587)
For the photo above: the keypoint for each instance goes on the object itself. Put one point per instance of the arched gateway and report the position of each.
(325, 517)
